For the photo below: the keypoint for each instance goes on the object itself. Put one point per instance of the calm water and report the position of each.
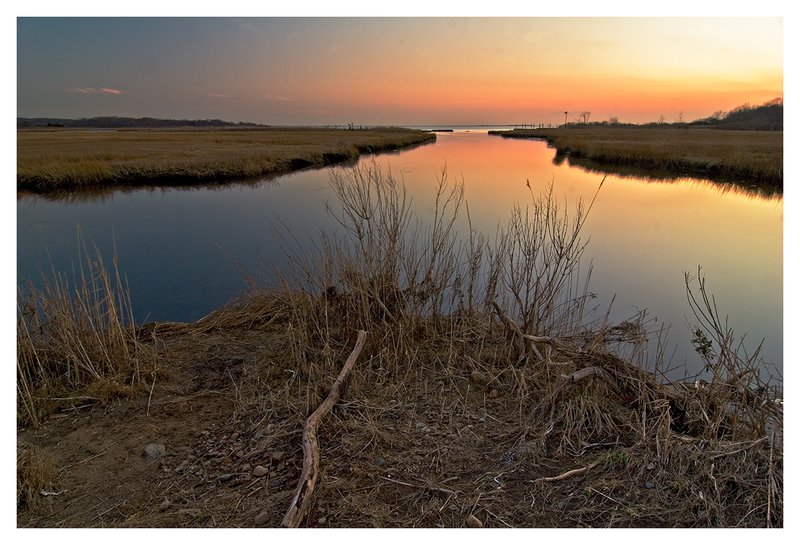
(186, 251)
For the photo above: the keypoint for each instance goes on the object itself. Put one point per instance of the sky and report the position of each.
(397, 70)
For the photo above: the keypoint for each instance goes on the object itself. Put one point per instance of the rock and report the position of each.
(474, 522)
(478, 378)
(322, 520)
(276, 483)
(164, 505)
(260, 471)
(649, 485)
(273, 474)
(246, 468)
(493, 393)
(225, 477)
(262, 518)
(281, 466)
(277, 456)
(270, 428)
(379, 461)
(235, 436)
(154, 450)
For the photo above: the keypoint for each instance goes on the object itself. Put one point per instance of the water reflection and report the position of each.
(725, 183)
(185, 251)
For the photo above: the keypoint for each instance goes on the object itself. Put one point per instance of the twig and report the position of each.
(769, 483)
(150, 397)
(585, 372)
(568, 474)
(422, 486)
(89, 458)
(525, 341)
(300, 505)
(752, 444)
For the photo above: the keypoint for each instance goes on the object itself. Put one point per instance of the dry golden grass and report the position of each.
(55, 159)
(750, 156)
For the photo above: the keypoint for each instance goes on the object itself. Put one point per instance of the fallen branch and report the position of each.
(300, 505)
(568, 474)
(525, 342)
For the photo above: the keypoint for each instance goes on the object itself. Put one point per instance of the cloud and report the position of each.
(94, 90)
(273, 97)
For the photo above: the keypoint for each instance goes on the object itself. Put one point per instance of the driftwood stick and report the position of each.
(568, 474)
(300, 505)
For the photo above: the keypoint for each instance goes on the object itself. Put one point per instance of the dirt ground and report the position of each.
(214, 440)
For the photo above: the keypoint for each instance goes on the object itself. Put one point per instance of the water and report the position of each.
(185, 252)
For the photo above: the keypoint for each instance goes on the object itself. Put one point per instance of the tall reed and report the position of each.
(75, 332)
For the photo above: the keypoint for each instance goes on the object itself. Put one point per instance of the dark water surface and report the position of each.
(185, 252)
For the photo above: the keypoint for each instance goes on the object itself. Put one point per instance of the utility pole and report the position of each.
(565, 118)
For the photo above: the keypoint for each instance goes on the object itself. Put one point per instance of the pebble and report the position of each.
(262, 518)
(474, 522)
(246, 468)
(322, 520)
(379, 461)
(273, 474)
(164, 505)
(154, 450)
(225, 477)
(276, 483)
(270, 428)
(277, 456)
(494, 394)
(648, 484)
(260, 471)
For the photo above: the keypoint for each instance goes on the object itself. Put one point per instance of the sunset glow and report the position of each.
(397, 70)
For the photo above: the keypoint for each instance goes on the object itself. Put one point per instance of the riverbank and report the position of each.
(471, 401)
(211, 437)
(59, 159)
(750, 158)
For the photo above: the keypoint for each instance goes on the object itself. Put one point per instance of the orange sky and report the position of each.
(398, 70)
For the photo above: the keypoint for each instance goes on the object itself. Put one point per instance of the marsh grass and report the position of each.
(749, 157)
(58, 159)
(76, 339)
(35, 473)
